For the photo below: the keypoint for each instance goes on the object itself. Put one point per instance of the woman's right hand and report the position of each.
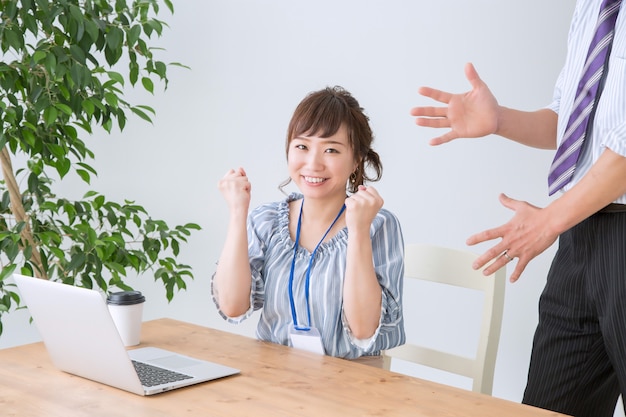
(235, 189)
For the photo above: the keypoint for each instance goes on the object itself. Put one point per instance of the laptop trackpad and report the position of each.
(174, 362)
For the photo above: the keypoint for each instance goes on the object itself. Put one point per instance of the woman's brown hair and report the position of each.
(322, 113)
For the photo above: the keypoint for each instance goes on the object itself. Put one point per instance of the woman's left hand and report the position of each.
(362, 207)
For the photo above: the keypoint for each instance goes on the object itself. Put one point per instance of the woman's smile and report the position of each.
(314, 180)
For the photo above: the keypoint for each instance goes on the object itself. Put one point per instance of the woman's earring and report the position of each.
(353, 178)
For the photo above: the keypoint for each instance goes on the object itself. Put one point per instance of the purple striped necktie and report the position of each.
(587, 95)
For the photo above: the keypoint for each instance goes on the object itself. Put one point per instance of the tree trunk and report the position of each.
(18, 211)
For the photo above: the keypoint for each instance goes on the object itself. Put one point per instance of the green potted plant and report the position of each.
(59, 81)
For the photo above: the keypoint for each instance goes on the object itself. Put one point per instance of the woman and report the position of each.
(325, 265)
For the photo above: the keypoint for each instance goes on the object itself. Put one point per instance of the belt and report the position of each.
(614, 208)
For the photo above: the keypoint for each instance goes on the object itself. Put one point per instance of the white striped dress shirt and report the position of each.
(609, 125)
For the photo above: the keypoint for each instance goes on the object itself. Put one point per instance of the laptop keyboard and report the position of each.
(150, 375)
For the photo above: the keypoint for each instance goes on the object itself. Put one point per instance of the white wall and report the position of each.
(251, 63)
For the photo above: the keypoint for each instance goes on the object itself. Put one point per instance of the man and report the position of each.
(578, 363)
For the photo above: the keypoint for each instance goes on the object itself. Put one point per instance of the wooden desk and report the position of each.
(275, 381)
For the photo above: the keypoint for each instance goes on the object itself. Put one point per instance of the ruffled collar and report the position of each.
(338, 241)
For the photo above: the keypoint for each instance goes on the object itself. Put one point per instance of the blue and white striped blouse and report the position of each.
(609, 126)
(270, 249)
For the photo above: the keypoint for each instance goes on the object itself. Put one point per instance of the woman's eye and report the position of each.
(331, 150)
(300, 147)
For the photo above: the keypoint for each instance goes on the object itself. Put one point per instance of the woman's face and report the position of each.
(320, 167)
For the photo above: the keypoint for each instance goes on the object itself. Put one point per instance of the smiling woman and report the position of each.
(325, 266)
(319, 165)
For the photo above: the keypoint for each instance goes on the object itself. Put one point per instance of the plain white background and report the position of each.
(251, 62)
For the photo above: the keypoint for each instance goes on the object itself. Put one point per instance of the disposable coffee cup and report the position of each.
(126, 308)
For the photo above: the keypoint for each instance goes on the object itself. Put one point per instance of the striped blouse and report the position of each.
(271, 252)
(609, 126)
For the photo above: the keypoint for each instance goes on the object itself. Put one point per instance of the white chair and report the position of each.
(453, 267)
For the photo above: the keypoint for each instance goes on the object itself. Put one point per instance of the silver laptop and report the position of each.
(81, 338)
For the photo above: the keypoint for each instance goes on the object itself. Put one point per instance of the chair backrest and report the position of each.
(454, 267)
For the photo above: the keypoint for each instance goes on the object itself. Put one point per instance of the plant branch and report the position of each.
(18, 210)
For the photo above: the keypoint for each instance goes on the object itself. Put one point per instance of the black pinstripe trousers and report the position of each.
(578, 361)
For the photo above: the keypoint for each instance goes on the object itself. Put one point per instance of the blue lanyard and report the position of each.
(308, 271)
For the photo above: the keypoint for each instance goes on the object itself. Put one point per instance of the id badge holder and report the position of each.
(306, 339)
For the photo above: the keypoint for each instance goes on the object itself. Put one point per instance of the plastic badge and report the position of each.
(309, 340)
